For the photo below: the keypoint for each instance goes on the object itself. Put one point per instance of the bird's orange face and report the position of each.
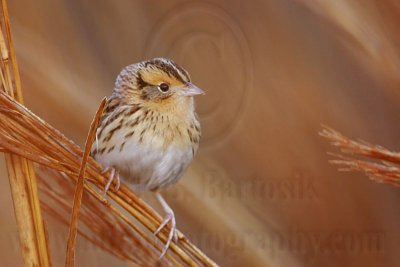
(158, 84)
(162, 81)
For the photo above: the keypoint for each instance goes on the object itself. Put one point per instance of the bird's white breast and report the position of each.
(147, 164)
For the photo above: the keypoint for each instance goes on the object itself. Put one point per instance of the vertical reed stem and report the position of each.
(20, 171)
(73, 227)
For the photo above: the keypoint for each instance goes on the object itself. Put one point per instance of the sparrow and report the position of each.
(149, 132)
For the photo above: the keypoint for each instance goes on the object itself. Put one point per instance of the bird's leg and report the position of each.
(113, 175)
(170, 217)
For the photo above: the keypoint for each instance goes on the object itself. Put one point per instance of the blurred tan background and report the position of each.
(261, 191)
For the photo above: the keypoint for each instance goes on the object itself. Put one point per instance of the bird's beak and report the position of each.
(191, 90)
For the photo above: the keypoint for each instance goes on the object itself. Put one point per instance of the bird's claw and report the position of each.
(113, 175)
(173, 234)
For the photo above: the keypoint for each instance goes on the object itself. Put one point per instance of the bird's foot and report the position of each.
(114, 174)
(169, 219)
(173, 235)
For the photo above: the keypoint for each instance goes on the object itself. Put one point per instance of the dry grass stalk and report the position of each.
(378, 163)
(27, 135)
(21, 174)
(70, 259)
(100, 224)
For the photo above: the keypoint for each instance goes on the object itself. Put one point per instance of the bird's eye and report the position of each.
(163, 87)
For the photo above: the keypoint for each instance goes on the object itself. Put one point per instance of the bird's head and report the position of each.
(157, 82)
